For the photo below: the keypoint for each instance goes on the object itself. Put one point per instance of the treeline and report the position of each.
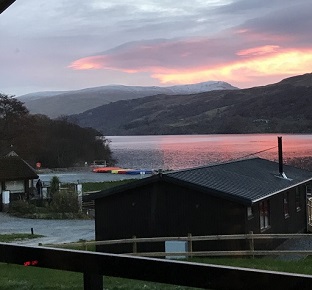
(53, 143)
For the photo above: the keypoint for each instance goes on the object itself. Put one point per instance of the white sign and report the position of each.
(6, 197)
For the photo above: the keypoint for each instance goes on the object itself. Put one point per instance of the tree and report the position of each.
(55, 143)
(12, 114)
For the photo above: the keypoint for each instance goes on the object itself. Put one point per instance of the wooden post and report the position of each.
(134, 246)
(252, 244)
(92, 281)
(190, 244)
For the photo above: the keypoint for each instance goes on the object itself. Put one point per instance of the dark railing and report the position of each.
(95, 265)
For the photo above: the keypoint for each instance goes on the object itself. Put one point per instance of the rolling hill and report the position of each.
(284, 107)
(60, 103)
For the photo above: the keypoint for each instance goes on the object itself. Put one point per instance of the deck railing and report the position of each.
(95, 265)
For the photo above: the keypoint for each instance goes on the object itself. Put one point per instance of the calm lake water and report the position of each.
(185, 151)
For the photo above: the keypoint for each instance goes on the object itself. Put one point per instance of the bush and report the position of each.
(22, 207)
(64, 202)
(55, 185)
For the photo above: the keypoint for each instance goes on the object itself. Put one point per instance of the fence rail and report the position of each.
(95, 265)
(251, 251)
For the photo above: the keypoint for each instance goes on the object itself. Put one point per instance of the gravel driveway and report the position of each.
(54, 231)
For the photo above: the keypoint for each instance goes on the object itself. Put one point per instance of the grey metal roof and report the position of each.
(247, 181)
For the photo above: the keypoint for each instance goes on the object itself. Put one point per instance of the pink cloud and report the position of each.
(196, 60)
(261, 50)
(159, 55)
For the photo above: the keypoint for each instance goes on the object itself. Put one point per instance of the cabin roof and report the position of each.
(245, 181)
(248, 181)
(15, 168)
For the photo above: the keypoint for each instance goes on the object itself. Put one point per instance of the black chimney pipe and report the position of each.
(280, 156)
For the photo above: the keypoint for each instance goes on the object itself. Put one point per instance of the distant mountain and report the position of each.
(55, 104)
(39, 95)
(284, 107)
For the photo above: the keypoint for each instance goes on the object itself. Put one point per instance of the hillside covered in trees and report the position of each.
(284, 107)
(54, 143)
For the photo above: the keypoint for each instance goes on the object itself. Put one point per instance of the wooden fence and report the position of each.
(251, 251)
(95, 265)
(309, 213)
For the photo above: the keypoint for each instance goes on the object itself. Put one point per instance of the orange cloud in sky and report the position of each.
(92, 62)
(244, 70)
(259, 50)
(250, 64)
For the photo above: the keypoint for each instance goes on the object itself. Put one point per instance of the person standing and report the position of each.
(39, 187)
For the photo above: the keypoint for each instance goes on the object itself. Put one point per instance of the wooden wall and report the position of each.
(169, 210)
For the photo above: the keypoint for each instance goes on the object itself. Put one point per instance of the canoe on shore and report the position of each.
(139, 171)
(105, 169)
(118, 170)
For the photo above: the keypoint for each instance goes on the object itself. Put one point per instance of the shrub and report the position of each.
(22, 207)
(55, 185)
(64, 202)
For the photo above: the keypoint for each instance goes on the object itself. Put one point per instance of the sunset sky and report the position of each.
(75, 44)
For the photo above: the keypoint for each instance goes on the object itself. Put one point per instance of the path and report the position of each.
(54, 231)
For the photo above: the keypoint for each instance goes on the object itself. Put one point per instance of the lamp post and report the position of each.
(4, 4)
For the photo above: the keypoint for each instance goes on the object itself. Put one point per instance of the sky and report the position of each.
(75, 44)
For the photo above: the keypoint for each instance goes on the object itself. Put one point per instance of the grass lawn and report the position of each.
(8, 238)
(303, 266)
(35, 278)
(14, 277)
(23, 278)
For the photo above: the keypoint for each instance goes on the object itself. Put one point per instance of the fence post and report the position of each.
(84, 245)
(134, 246)
(252, 244)
(190, 245)
(78, 191)
(92, 281)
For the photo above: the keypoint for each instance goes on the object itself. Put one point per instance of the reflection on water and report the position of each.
(185, 151)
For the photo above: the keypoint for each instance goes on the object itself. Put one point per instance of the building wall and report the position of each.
(15, 186)
(279, 223)
(19, 189)
(1, 185)
(168, 210)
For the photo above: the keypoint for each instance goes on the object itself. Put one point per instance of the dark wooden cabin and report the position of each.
(229, 198)
(16, 177)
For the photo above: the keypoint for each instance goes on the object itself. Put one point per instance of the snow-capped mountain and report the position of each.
(200, 87)
(59, 103)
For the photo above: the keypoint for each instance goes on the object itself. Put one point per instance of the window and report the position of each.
(298, 200)
(249, 212)
(286, 204)
(264, 209)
